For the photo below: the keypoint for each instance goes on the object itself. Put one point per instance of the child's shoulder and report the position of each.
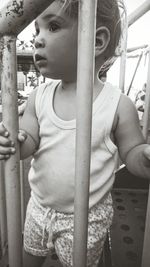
(126, 105)
(126, 112)
(48, 85)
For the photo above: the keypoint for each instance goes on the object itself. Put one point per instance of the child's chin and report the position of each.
(44, 72)
(49, 75)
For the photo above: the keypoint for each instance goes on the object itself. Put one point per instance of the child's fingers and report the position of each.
(4, 157)
(22, 136)
(3, 130)
(6, 145)
(6, 150)
(147, 152)
(21, 108)
(5, 141)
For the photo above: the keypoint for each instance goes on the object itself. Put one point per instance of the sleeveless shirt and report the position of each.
(52, 171)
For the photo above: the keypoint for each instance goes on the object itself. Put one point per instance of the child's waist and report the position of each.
(63, 201)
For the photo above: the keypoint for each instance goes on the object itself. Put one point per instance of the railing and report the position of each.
(14, 17)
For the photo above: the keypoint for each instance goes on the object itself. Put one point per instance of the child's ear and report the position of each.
(102, 40)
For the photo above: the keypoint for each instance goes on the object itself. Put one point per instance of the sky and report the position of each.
(138, 34)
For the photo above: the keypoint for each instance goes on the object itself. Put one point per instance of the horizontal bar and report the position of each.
(131, 49)
(16, 15)
(139, 12)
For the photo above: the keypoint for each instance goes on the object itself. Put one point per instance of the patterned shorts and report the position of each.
(47, 230)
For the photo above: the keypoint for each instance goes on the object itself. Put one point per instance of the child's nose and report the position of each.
(39, 42)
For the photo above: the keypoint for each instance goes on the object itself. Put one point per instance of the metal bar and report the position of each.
(129, 50)
(146, 255)
(139, 12)
(122, 69)
(146, 115)
(146, 244)
(124, 51)
(11, 166)
(15, 15)
(22, 189)
(85, 78)
(138, 63)
(3, 220)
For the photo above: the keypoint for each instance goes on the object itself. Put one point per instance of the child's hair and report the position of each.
(107, 14)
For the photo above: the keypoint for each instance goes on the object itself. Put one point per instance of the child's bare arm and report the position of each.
(133, 149)
(28, 133)
(29, 125)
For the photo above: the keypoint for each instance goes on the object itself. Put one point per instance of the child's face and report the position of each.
(55, 52)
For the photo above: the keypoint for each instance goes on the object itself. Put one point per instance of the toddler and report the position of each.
(48, 129)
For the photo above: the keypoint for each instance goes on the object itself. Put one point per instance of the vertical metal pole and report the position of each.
(146, 123)
(138, 63)
(123, 54)
(11, 168)
(85, 78)
(140, 11)
(22, 190)
(122, 71)
(3, 221)
(146, 116)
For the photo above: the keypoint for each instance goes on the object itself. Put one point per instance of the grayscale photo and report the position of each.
(74, 133)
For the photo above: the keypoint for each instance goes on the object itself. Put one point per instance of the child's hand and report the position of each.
(21, 108)
(22, 136)
(6, 144)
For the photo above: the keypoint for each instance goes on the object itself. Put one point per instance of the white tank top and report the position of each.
(52, 171)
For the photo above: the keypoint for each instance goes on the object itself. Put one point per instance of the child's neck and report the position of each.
(68, 86)
(71, 86)
(65, 98)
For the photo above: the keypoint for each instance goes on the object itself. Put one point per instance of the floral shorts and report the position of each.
(47, 230)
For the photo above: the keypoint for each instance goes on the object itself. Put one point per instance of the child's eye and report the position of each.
(36, 27)
(37, 30)
(54, 26)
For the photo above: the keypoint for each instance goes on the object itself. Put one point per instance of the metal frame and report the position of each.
(14, 17)
(146, 125)
(140, 11)
(85, 79)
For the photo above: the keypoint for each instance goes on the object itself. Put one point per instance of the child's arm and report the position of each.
(133, 150)
(28, 133)
(29, 125)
